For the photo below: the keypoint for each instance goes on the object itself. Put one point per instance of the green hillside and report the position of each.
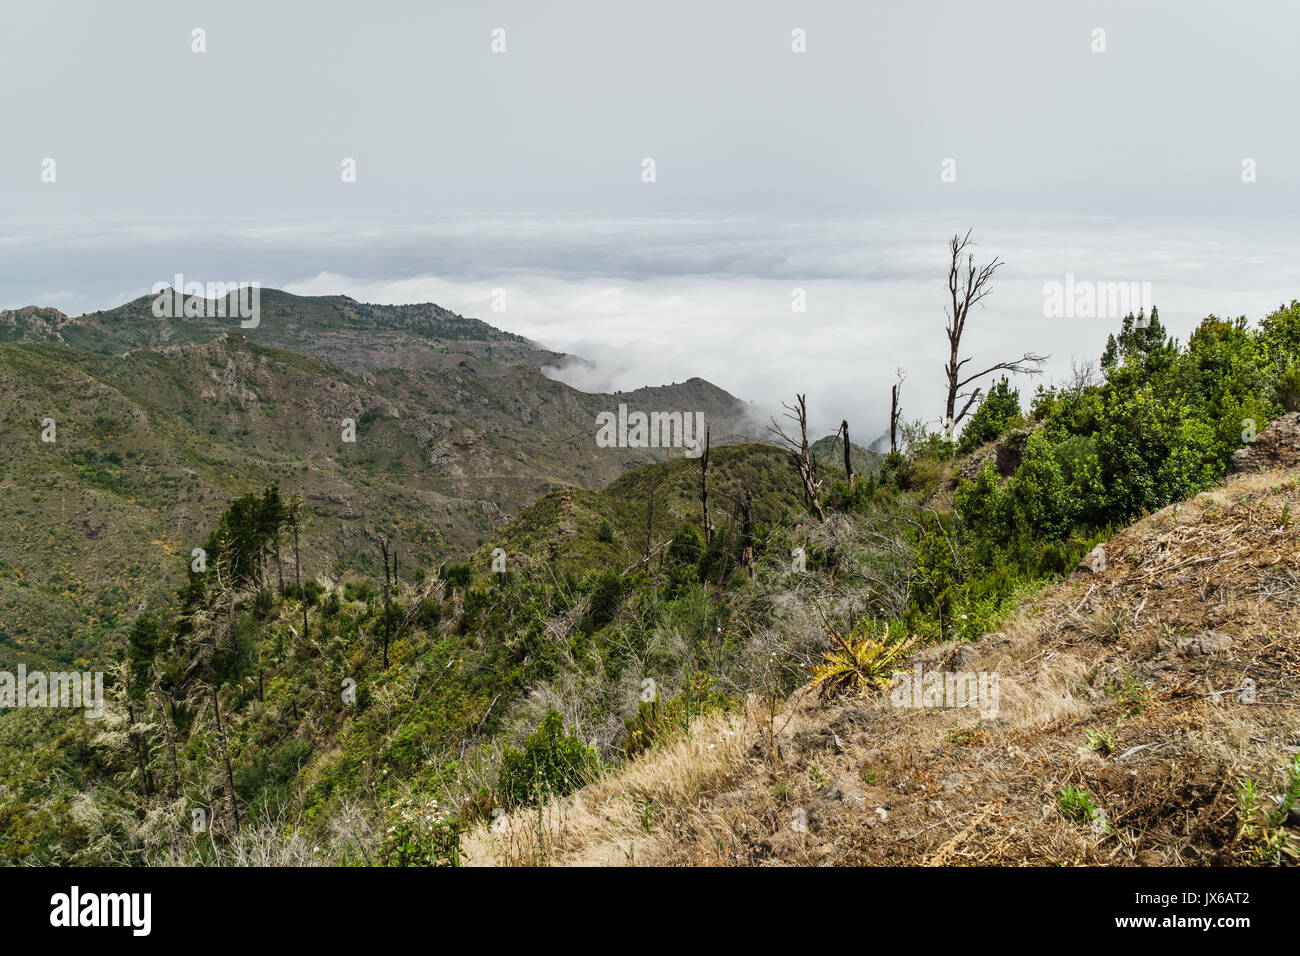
(573, 529)
(151, 445)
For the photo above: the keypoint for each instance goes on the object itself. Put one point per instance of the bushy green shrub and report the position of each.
(356, 590)
(998, 412)
(607, 590)
(457, 576)
(551, 763)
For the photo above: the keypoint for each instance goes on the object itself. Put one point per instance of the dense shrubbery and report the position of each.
(1161, 426)
(998, 412)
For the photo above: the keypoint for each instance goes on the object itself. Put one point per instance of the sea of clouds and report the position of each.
(649, 301)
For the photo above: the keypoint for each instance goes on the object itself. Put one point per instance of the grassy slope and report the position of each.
(1194, 600)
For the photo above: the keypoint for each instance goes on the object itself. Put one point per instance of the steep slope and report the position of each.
(1156, 684)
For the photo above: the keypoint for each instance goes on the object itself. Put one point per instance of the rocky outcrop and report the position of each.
(1277, 446)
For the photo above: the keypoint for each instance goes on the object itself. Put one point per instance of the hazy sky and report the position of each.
(257, 126)
(774, 169)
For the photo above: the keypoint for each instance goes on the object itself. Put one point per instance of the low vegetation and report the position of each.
(636, 650)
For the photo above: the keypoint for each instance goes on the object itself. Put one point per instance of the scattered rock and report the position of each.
(1203, 644)
(867, 761)
(1094, 562)
(850, 719)
(789, 751)
(825, 740)
(1011, 451)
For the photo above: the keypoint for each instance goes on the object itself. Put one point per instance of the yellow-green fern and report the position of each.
(861, 659)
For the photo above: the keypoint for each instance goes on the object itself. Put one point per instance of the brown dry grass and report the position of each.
(1195, 602)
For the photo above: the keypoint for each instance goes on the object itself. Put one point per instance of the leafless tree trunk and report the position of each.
(383, 547)
(747, 529)
(138, 744)
(294, 507)
(225, 746)
(704, 488)
(848, 462)
(279, 564)
(893, 420)
(174, 789)
(798, 412)
(968, 285)
(649, 513)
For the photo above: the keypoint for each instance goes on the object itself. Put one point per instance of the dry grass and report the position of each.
(1197, 609)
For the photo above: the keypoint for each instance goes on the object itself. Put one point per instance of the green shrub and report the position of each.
(998, 412)
(552, 763)
(607, 590)
(1077, 804)
(430, 613)
(456, 575)
(356, 590)
(1286, 390)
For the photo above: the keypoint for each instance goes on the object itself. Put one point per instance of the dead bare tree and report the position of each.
(895, 393)
(295, 506)
(746, 502)
(968, 286)
(383, 549)
(848, 461)
(704, 489)
(652, 480)
(798, 412)
(225, 746)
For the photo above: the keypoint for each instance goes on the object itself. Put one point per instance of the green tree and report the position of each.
(998, 412)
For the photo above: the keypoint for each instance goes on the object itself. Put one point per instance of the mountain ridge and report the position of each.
(152, 442)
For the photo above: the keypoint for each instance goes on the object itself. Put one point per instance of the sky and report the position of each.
(823, 146)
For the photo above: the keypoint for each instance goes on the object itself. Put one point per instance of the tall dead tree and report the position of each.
(704, 489)
(848, 461)
(225, 746)
(383, 547)
(798, 413)
(746, 501)
(893, 420)
(295, 506)
(652, 480)
(968, 285)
